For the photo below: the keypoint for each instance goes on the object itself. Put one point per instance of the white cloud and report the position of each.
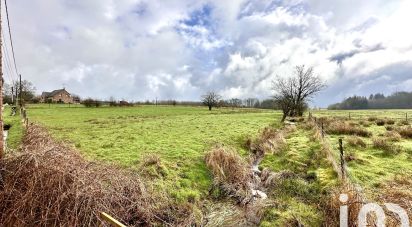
(141, 49)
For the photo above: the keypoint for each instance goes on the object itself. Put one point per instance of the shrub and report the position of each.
(343, 128)
(380, 122)
(91, 103)
(405, 132)
(355, 141)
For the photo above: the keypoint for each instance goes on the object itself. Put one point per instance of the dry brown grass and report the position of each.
(151, 166)
(343, 128)
(365, 123)
(389, 128)
(351, 156)
(390, 122)
(403, 122)
(372, 119)
(397, 191)
(355, 141)
(49, 184)
(393, 136)
(270, 140)
(388, 148)
(405, 132)
(230, 172)
(354, 203)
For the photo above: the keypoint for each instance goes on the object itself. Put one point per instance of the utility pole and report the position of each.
(1, 92)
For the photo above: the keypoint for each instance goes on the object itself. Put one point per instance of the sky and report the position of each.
(180, 49)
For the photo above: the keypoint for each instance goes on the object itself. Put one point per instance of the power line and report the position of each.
(7, 60)
(11, 40)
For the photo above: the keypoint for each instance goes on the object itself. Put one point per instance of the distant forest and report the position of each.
(397, 100)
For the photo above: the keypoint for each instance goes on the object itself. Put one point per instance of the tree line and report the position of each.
(397, 100)
(291, 95)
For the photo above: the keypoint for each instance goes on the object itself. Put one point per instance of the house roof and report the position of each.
(53, 93)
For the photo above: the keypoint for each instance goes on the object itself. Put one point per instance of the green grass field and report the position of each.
(181, 136)
(16, 131)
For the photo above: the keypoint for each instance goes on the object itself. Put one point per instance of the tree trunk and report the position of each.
(283, 117)
(210, 108)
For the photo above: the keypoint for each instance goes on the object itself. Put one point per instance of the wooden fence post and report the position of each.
(342, 158)
(406, 117)
(349, 115)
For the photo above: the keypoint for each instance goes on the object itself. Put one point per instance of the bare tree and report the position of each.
(293, 93)
(211, 99)
(235, 102)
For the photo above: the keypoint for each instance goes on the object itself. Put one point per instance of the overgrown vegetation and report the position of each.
(165, 146)
(345, 128)
(16, 129)
(48, 184)
(405, 132)
(230, 172)
(355, 141)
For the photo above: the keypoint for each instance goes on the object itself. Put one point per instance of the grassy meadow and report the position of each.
(178, 137)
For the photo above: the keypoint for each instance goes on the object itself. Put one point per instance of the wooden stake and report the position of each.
(342, 159)
(111, 220)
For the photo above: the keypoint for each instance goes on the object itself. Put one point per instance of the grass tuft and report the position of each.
(380, 122)
(390, 122)
(383, 145)
(343, 128)
(355, 141)
(372, 119)
(405, 132)
(393, 136)
(230, 172)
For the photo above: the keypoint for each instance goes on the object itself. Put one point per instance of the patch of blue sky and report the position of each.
(200, 17)
(250, 8)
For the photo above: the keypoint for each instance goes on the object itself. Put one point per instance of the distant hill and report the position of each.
(397, 100)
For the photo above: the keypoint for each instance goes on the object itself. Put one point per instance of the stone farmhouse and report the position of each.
(59, 96)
